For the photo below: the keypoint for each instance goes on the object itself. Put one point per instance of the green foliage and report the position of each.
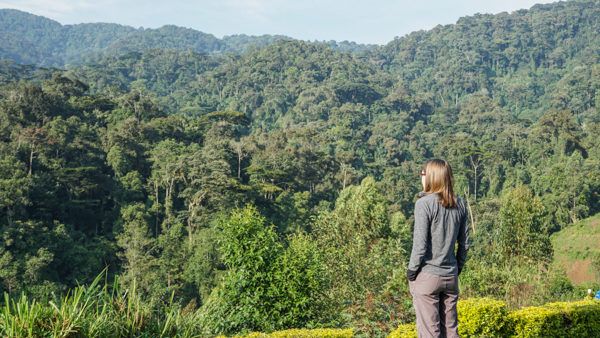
(522, 232)
(485, 317)
(96, 310)
(33, 253)
(267, 286)
(574, 319)
(138, 249)
(200, 271)
(361, 255)
(14, 187)
(125, 160)
(517, 285)
(22, 317)
(482, 317)
(303, 333)
(247, 243)
(404, 331)
(300, 285)
(346, 236)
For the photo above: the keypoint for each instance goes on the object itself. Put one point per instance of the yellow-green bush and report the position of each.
(561, 319)
(485, 317)
(535, 321)
(482, 317)
(583, 317)
(404, 331)
(477, 317)
(303, 333)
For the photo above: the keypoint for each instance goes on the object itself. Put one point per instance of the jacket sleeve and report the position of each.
(464, 241)
(420, 234)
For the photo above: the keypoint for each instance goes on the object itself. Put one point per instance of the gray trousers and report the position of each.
(434, 299)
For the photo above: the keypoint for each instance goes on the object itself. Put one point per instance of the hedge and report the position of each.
(404, 331)
(561, 319)
(485, 317)
(303, 333)
(482, 317)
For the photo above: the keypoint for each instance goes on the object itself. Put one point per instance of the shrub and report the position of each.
(301, 333)
(477, 317)
(560, 319)
(535, 321)
(404, 331)
(482, 317)
(299, 286)
(242, 302)
(268, 287)
(581, 318)
(485, 317)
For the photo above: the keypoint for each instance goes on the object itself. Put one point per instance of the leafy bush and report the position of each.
(482, 317)
(303, 333)
(486, 317)
(300, 283)
(243, 301)
(535, 321)
(560, 319)
(404, 331)
(518, 285)
(268, 287)
(477, 317)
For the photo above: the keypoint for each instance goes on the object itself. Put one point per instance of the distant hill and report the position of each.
(527, 61)
(33, 39)
(575, 248)
(514, 57)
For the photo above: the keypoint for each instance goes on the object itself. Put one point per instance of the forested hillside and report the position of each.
(32, 39)
(270, 182)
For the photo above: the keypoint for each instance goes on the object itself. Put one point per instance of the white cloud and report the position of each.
(257, 9)
(261, 10)
(55, 9)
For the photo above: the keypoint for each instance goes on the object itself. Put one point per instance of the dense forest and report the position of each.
(32, 39)
(270, 182)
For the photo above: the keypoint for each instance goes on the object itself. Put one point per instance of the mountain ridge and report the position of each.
(35, 39)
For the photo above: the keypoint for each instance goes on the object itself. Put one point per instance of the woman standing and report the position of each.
(440, 222)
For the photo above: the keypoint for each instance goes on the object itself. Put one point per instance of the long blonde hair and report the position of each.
(439, 179)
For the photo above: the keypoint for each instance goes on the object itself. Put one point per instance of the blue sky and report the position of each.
(366, 21)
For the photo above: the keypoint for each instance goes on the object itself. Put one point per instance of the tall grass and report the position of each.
(24, 318)
(95, 310)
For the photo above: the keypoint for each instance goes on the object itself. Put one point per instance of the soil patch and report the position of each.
(579, 271)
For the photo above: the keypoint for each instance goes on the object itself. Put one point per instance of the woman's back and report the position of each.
(436, 231)
(440, 223)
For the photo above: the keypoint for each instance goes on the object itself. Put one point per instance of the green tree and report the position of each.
(243, 301)
(139, 250)
(358, 247)
(267, 287)
(522, 229)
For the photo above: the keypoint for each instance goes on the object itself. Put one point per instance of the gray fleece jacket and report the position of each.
(436, 232)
